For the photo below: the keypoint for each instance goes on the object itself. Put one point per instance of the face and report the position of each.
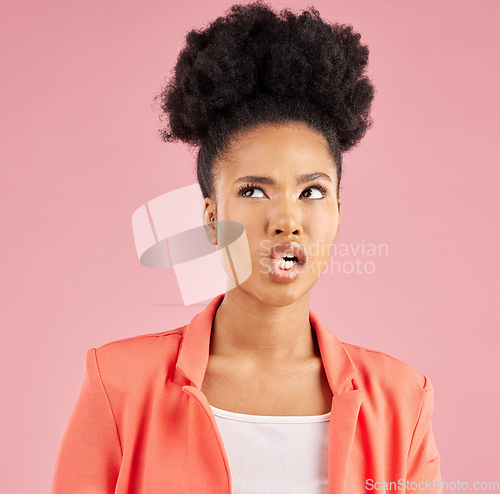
(282, 202)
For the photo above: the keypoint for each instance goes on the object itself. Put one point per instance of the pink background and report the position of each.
(80, 154)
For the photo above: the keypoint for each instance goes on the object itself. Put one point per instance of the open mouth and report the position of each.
(288, 262)
(288, 252)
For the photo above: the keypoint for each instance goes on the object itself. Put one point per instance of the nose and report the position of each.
(284, 218)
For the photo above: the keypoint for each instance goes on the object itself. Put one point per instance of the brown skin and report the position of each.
(264, 357)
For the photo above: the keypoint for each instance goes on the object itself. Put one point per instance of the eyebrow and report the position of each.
(307, 177)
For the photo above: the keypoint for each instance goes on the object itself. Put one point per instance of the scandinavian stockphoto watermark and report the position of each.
(338, 258)
(432, 485)
(355, 258)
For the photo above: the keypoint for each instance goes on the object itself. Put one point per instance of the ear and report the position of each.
(340, 215)
(209, 220)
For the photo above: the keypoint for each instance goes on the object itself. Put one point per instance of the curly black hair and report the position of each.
(256, 66)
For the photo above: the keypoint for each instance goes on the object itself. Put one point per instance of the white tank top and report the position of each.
(275, 454)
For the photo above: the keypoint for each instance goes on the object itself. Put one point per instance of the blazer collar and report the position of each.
(193, 355)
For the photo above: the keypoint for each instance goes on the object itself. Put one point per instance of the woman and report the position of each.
(255, 394)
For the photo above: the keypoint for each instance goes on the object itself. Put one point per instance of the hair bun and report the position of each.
(254, 51)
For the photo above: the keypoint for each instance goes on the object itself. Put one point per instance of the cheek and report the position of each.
(323, 239)
(324, 233)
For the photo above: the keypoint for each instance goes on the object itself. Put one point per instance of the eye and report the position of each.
(318, 187)
(242, 191)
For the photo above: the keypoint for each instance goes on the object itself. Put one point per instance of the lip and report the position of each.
(291, 248)
(278, 250)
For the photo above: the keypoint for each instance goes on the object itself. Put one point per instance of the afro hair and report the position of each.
(254, 65)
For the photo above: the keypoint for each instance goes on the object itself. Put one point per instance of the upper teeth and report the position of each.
(288, 261)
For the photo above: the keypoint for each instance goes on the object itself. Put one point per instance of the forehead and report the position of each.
(291, 148)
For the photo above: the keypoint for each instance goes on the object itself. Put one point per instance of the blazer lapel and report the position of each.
(194, 351)
(343, 420)
(346, 403)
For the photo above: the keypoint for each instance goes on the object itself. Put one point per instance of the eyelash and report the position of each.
(249, 186)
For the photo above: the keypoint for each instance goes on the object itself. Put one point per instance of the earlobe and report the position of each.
(209, 223)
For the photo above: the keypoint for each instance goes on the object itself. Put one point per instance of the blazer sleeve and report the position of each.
(423, 465)
(89, 455)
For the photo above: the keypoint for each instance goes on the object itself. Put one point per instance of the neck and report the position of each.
(261, 335)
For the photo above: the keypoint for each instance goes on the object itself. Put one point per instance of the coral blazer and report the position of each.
(141, 425)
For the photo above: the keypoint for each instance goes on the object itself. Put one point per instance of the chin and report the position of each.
(275, 294)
